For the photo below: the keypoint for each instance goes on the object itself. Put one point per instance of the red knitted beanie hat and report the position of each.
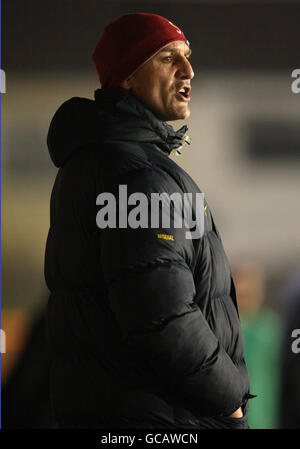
(128, 42)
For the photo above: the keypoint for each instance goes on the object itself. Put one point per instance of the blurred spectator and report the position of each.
(262, 330)
(24, 389)
(290, 308)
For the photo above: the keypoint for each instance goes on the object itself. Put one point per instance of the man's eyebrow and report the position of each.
(173, 50)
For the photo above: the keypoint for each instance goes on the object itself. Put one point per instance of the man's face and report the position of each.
(158, 82)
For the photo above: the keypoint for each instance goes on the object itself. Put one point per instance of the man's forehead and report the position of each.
(176, 47)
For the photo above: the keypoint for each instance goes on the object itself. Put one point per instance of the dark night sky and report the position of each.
(47, 35)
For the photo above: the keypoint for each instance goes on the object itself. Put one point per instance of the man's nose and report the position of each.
(185, 69)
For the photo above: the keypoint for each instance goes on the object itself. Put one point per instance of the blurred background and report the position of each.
(245, 156)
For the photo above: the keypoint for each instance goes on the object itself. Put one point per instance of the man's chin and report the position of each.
(174, 114)
(186, 114)
(180, 115)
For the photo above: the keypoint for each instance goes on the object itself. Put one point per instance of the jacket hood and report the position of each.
(115, 114)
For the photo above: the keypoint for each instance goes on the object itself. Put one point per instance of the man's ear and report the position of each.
(126, 84)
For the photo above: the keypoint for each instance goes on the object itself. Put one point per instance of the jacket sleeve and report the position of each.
(150, 291)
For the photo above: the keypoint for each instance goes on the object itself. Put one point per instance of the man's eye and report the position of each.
(168, 58)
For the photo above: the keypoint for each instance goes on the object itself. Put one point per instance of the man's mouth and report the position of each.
(184, 93)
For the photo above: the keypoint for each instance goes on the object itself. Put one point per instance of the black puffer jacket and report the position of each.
(144, 331)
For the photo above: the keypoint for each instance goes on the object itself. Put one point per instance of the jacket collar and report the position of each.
(115, 115)
(124, 117)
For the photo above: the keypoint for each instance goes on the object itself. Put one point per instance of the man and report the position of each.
(142, 321)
